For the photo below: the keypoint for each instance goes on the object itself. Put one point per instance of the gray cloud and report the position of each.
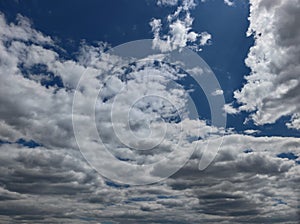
(52, 183)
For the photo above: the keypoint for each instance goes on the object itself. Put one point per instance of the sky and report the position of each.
(150, 111)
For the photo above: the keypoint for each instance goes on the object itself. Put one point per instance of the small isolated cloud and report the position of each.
(229, 2)
(167, 2)
(217, 92)
(251, 131)
(196, 70)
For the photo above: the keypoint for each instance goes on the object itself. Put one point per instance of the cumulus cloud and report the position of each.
(204, 38)
(228, 108)
(272, 88)
(229, 2)
(180, 33)
(217, 92)
(248, 181)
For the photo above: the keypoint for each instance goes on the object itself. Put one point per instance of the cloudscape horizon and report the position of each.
(154, 111)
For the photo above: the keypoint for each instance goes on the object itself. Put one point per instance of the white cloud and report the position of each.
(229, 2)
(22, 31)
(44, 114)
(217, 92)
(167, 2)
(180, 32)
(295, 121)
(228, 108)
(272, 88)
(251, 131)
(34, 181)
(204, 38)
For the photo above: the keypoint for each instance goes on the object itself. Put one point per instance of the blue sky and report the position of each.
(57, 57)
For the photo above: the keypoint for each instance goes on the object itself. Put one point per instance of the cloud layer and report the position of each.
(252, 180)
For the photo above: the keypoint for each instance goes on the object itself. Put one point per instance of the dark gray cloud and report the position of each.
(57, 185)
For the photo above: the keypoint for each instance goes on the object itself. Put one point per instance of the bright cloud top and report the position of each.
(180, 32)
(272, 88)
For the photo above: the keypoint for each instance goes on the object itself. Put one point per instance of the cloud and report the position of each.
(251, 131)
(180, 33)
(43, 113)
(272, 89)
(204, 38)
(43, 183)
(228, 108)
(240, 183)
(233, 189)
(167, 2)
(22, 30)
(229, 2)
(217, 92)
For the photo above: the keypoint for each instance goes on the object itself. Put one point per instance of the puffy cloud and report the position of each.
(248, 182)
(22, 30)
(180, 32)
(43, 113)
(229, 2)
(272, 88)
(204, 38)
(228, 108)
(217, 92)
